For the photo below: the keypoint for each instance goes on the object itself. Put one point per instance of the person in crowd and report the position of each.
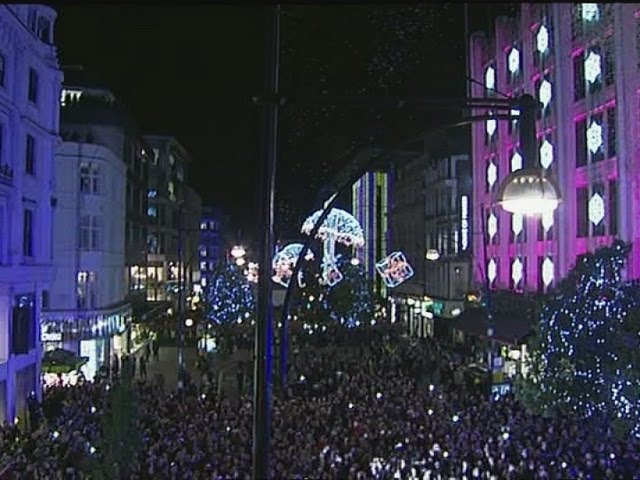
(351, 414)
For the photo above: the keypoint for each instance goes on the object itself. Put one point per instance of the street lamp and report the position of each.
(528, 192)
(432, 255)
(238, 251)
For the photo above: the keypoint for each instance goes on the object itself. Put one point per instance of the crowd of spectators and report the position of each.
(386, 409)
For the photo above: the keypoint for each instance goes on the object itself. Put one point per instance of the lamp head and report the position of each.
(529, 192)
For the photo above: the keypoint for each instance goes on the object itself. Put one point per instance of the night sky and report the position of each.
(190, 71)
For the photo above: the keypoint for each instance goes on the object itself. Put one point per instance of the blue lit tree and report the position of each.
(229, 295)
(586, 354)
(351, 301)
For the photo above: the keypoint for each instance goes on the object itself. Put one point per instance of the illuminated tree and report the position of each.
(586, 356)
(351, 301)
(229, 295)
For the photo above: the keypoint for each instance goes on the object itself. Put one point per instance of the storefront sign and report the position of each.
(51, 337)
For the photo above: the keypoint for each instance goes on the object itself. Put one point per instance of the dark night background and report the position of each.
(190, 71)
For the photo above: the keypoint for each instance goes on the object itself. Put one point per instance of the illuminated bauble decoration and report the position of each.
(594, 137)
(492, 174)
(596, 209)
(516, 161)
(547, 271)
(590, 12)
(490, 78)
(592, 67)
(514, 60)
(544, 93)
(285, 261)
(339, 227)
(546, 154)
(542, 39)
(492, 270)
(516, 271)
(395, 269)
(529, 192)
(517, 223)
(492, 125)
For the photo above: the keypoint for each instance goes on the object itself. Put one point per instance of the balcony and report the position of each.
(6, 174)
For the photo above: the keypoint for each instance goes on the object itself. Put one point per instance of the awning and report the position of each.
(507, 328)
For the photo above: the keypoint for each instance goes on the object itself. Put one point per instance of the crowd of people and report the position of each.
(383, 408)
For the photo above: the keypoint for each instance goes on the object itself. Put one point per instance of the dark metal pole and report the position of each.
(487, 296)
(528, 140)
(180, 311)
(264, 324)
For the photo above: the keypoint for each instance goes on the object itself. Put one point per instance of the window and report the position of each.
(44, 30)
(30, 154)
(518, 230)
(27, 233)
(581, 142)
(597, 210)
(152, 193)
(595, 140)
(86, 290)
(3, 69)
(545, 226)
(23, 332)
(89, 238)
(152, 212)
(579, 85)
(518, 273)
(593, 69)
(33, 86)
(31, 19)
(609, 65)
(582, 208)
(89, 178)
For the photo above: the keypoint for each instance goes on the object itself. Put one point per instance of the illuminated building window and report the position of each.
(517, 225)
(464, 222)
(203, 225)
(547, 220)
(86, 290)
(152, 193)
(492, 226)
(491, 126)
(594, 137)
(513, 61)
(152, 211)
(545, 93)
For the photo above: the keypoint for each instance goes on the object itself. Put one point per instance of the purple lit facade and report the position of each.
(30, 83)
(581, 62)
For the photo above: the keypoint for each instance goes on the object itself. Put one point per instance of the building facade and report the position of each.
(448, 225)
(87, 312)
(370, 206)
(212, 241)
(92, 115)
(172, 206)
(30, 82)
(581, 61)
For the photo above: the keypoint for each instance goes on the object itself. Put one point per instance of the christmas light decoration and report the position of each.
(492, 125)
(492, 174)
(585, 358)
(547, 271)
(229, 295)
(513, 60)
(542, 39)
(516, 271)
(596, 209)
(546, 154)
(516, 161)
(517, 223)
(492, 225)
(545, 93)
(339, 227)
(594, 137)
(492, 270)
(592, 67)
(490, 78)
(395, 269)
(351, 301)
(590, 12)
(285, 261)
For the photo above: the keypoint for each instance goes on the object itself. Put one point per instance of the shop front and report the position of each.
(95, 335)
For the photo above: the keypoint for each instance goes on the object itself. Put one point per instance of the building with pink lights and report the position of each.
(582, 62)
